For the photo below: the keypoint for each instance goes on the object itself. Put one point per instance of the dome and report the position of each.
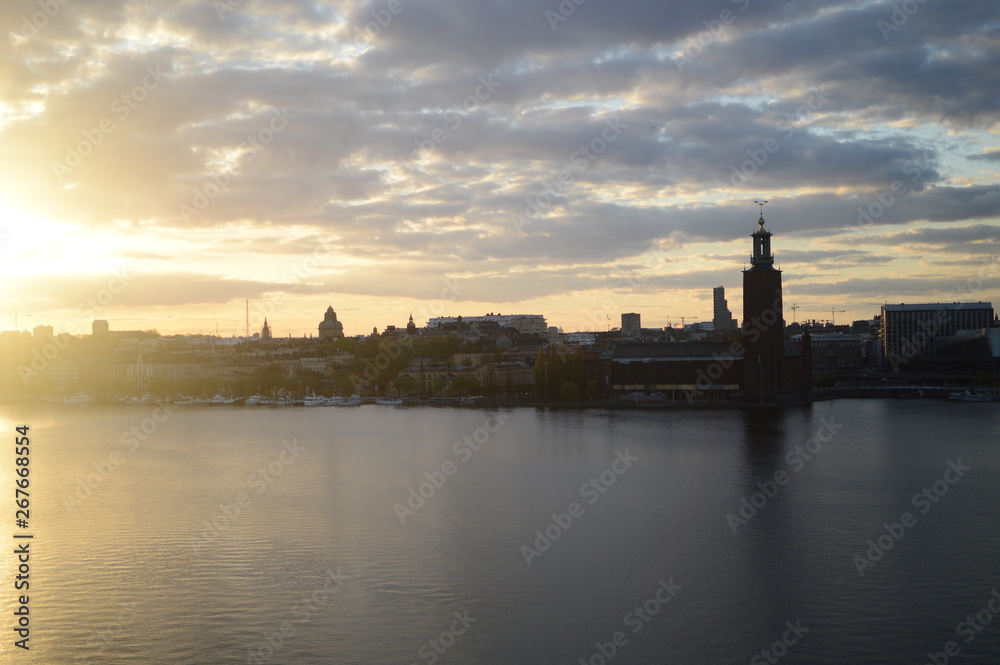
(330, 327)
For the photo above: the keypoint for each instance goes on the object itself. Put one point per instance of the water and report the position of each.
(227, 535)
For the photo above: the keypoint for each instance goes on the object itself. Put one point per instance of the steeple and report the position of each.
(762, 259)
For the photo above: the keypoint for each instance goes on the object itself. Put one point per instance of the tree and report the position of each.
(569, 391)
(464, 384)
(826, 379)
(405, 385)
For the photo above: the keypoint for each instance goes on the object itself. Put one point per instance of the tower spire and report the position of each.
(761, 204)
(762, 259)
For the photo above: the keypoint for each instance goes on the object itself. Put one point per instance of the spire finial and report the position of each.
(761, 203)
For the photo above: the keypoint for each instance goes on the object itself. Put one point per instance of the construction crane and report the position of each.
(682, 318)
(793, 308)
(833, 314)
(16, 315)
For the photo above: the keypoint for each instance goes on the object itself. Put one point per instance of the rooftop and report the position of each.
(937, 306)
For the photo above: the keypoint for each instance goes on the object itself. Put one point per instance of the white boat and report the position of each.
(312, 399)
(254, 400)
(78, 398)
(386, 401)
(220, 399)
(188, 401)
(973, 396)
(353, 400)
(333, 401)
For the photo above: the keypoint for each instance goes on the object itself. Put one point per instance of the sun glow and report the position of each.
(32, 245)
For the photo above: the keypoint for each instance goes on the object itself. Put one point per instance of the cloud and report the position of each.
(447, 137)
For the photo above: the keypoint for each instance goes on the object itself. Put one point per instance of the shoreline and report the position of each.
(906, 393)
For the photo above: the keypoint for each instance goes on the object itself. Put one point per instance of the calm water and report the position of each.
(139, 554)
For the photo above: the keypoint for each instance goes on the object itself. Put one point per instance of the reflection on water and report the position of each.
(275, 536)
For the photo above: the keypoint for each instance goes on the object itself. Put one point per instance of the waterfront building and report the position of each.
(763, 325)
(909, 330)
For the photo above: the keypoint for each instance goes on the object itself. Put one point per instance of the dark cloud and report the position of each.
(474, 136)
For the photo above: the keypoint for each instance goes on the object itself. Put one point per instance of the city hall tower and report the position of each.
(763, 324)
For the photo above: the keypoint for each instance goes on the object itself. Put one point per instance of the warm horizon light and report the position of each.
(163, 163)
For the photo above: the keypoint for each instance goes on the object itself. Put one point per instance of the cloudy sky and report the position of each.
(163, 162)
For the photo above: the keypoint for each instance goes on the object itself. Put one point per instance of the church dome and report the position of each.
(330, 326)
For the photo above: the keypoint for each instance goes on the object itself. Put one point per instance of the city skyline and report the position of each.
(161, 167)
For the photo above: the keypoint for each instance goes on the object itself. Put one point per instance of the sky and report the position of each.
(168, 165)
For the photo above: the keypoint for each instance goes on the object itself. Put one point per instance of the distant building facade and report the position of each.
(722, 317)
(631, 324)
(908, 331)
(100, 328)
(523, 323)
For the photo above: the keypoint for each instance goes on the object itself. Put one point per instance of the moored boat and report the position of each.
(312, 399)
(975, 396)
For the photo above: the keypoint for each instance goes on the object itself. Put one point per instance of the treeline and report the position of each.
(560, 375)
